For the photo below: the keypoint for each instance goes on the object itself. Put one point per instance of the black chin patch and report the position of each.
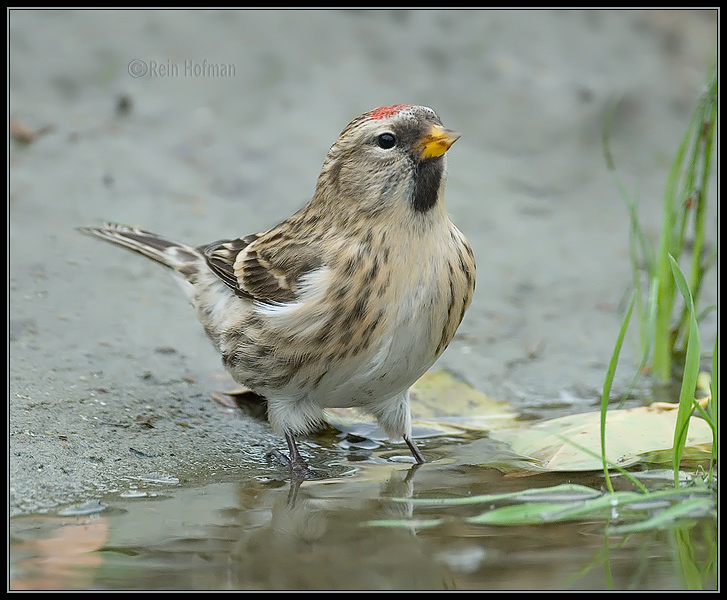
(427, 176)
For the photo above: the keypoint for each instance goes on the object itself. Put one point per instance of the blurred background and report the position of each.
(203, 125)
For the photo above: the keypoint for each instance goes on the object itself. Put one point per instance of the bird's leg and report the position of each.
(298, 467)
(414, 450)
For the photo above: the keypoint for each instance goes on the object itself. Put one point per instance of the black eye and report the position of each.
(386, 140)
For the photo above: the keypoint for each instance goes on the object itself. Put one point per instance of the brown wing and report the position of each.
(267, 272)
(221, 256)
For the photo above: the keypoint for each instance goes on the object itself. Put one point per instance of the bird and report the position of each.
(350, 300)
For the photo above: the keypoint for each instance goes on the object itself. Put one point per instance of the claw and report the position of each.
(299, 469)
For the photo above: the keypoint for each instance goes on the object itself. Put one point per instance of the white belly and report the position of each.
(406, 349)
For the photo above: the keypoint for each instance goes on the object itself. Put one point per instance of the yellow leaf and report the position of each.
(440, 396)
(573, 443)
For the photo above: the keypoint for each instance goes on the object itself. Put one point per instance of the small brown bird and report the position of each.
(350, 300)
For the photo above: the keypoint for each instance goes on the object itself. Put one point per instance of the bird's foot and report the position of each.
(299, 469)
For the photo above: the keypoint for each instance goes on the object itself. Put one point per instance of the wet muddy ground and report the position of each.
(204, 125)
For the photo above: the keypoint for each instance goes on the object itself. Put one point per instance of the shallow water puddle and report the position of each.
(245, 532)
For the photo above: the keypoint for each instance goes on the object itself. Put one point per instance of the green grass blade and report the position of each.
(708, 129)
(684, 545)
(666, 518)
(405, 523)
(691, 372)
(552, 512)
(608, 384)
(668, 242)
(713, 407)
(568, 491)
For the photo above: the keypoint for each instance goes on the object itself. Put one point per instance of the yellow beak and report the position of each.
(436, 142)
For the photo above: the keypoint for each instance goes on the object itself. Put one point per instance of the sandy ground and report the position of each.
(205, 125)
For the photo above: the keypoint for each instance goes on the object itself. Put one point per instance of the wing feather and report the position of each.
(267, 272)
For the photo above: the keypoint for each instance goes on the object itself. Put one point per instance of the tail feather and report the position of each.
(171, 254)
